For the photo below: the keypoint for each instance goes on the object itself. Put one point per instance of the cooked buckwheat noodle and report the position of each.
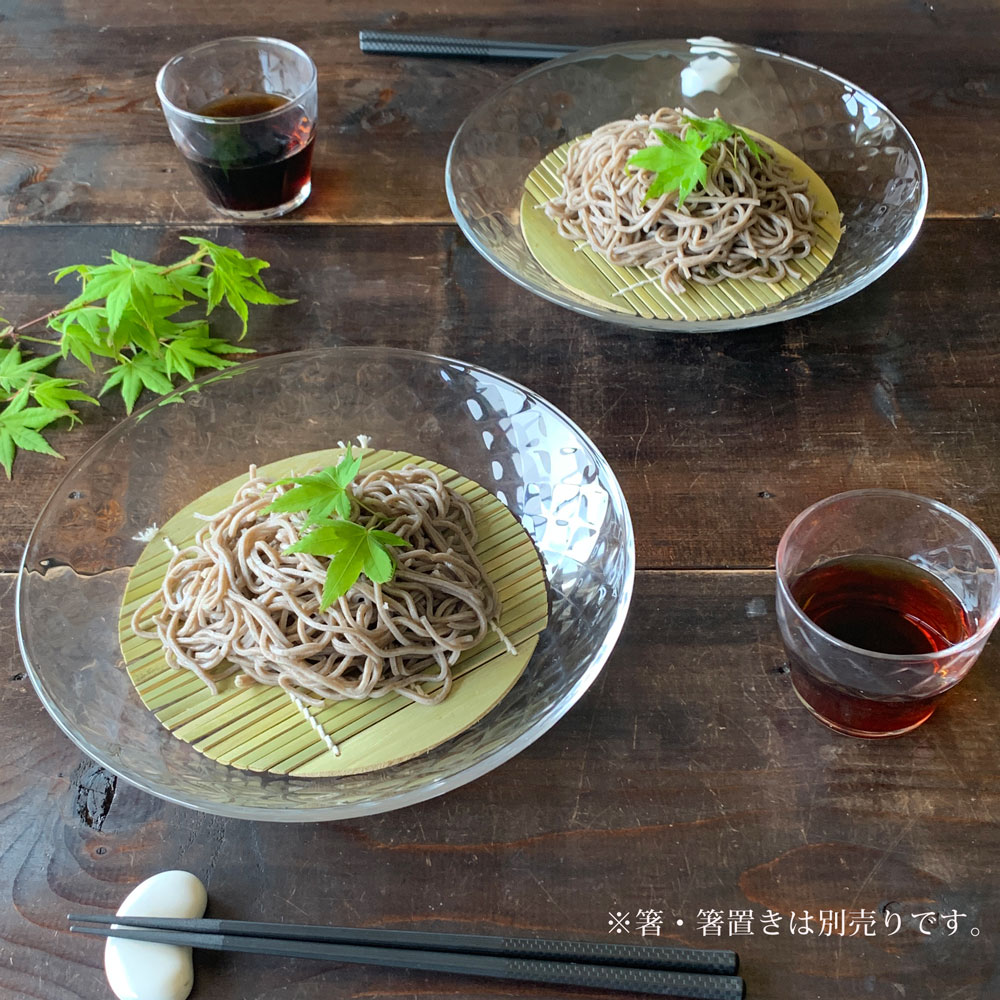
(235, 603)
(747, 221)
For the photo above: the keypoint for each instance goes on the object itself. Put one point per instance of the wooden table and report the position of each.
(689, 778)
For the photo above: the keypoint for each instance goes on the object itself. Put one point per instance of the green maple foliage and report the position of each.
(679, 164)
(352, 548)
(128, 312)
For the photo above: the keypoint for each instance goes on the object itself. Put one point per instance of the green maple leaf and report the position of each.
(135, 333)
(16, 372)
(236, 279)
(24, 378)
(132, 374)
(112, 282)
(379, 567)
(82, 344)
(81, 334)
(677, 163)
(19, 428)
(353, 549)
(190, 280)
(716, 130)
(322, 494)
(196, 349)
(81, 269)
(125, 283)
(56, 394)
(147, 283)
(712, 130)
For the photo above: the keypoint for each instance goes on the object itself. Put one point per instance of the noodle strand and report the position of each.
(235, 603)
(747, 221)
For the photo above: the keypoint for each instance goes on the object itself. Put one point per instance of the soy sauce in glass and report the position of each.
(260, 163)
(881, 604)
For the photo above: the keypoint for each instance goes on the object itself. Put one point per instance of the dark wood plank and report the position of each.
(689, 778)
(84, 139)
(718, 440)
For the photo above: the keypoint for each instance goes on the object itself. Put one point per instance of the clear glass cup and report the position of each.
(884, 599)
(242, 111)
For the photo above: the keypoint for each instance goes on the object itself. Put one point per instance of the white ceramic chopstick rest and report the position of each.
(141, 970)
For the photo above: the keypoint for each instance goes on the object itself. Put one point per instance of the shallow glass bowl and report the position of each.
(152, 464)
(862, 151)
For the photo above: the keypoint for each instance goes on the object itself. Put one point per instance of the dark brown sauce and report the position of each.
(255, 165)
(884, 605)
(241, 105)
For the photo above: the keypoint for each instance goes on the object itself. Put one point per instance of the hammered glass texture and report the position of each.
(888, 523)
(494, 431)
(858, 147)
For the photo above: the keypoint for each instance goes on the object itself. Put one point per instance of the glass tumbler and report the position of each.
(242, 111)
(884, 600)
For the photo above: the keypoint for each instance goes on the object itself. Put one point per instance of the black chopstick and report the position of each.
(394, 43)
(645, 956)
(687, 985)
(681, 985)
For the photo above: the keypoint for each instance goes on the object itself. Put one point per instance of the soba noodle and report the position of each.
(235, 603)
(748, 220)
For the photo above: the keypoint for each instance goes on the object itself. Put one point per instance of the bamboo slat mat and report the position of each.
(259, 728)
(579, 267)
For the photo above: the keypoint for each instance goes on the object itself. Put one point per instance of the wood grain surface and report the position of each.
(689, 778)
(719, 440)
(84, 139)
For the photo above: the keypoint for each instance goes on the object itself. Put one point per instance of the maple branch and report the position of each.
(14, 332)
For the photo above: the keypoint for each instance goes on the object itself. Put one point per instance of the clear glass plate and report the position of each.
(862, 151)
(150, 465)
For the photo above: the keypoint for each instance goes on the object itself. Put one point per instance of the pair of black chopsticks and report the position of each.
(399, 44)
(683, 973)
